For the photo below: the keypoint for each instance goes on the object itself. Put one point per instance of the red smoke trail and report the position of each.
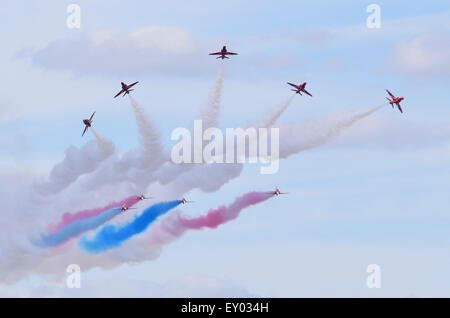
(175, 224)
(69, 218)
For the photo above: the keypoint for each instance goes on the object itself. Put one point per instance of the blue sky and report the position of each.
(376, 194)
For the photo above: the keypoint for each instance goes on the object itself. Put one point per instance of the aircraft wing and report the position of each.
(92, 116)
(231, 53)
(293, 85)
(119, 93)
(131, 85)
(216, 53)
(85, 129)
(390, 94)
(400, 108)
(306, 92)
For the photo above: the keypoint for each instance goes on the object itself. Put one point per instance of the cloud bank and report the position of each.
(161, 50)
(426, 55)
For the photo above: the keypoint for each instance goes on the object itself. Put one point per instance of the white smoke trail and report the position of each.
(150, 137)
(293, 139)
(211, 114)
(128, 168)
(77, 162)
(106, 146)
(316, 132)
(274, 116)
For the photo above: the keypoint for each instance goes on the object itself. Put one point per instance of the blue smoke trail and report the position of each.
(112, 236)
(76, 228)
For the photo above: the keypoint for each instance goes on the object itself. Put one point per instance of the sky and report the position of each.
(376, 193)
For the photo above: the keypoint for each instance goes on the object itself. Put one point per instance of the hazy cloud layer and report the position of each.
(184, 286)
(425, 55)
(148, 50)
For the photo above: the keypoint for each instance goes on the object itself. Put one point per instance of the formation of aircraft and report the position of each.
(300, 88)
(87, 123)
(395, 100)
(126, 89)
(223, 53)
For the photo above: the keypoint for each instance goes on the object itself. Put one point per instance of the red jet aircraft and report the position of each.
(184, 201)
(300, 88)
(143, 197)
(125, 208)
(88, 123)
(126, 89)
(395, 100)
(277, 192)
(223, 53)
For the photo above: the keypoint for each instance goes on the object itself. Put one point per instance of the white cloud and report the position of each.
(425, 55)
(8, 109)
(165, 39)
(147, 50)
(347, 34)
